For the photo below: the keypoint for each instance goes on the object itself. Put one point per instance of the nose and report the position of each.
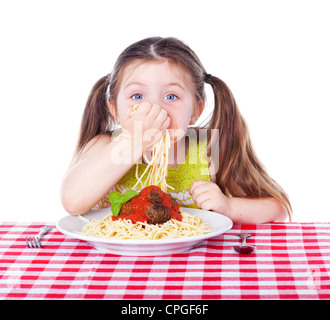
(160, 103)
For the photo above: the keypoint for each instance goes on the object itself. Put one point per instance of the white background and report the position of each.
(274, 55)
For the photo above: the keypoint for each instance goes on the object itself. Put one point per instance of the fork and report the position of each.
(34, 242)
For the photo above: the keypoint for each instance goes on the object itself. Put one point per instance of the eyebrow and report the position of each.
(176, 84)
(135, 83)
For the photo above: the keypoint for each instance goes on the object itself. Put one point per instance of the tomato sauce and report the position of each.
(135, 211)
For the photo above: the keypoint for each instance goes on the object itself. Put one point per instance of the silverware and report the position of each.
(34, 242)
(244, 248)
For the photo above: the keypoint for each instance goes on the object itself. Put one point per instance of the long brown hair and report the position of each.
(240, 173)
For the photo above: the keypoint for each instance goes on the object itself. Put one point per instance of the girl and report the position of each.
(166, 79)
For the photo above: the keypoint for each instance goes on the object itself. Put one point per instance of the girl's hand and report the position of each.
(208, 196)
(147, 125)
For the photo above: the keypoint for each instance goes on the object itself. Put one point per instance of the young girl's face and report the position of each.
(162, 83)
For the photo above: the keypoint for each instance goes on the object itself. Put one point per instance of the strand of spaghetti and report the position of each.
(139, 179)
(83, 218)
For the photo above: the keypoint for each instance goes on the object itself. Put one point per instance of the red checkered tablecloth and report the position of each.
(292, 261)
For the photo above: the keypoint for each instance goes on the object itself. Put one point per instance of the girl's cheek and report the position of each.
(121, 108)
(173, 124)
(120, 116)
(176, 131)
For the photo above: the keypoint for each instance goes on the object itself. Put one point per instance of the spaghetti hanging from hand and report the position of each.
(157, 166)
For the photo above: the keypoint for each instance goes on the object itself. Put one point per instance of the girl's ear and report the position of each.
(197, 112)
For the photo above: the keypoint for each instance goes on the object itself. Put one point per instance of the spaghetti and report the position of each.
(157, 166)
(191, 225)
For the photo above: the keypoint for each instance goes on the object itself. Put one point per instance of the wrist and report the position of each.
(231, 208)
(123, 150)
(224, 207)
(131, 145)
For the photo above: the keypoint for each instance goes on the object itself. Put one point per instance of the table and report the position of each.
(292, 261)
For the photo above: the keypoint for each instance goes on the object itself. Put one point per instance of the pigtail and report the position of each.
(240, 173)
(96, 118)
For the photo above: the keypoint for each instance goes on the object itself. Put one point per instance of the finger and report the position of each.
(202, 187)
(153, 136)
(163, 119)
(166, 123)
(195, 184)
(206, 205)
(162, 115)
(201, 198)
(154, 112)
(144, 108)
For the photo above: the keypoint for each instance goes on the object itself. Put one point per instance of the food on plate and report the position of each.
(152, 214)
(151, 205)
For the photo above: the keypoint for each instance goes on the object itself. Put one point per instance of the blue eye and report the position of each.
(137, 96)
(171, 97)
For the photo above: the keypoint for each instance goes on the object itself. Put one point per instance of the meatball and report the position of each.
(157, 213)
(126, 208)
(155, 197)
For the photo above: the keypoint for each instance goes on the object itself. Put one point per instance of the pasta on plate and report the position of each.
(191, 225)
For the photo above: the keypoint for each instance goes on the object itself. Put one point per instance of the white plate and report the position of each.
(72, 226)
